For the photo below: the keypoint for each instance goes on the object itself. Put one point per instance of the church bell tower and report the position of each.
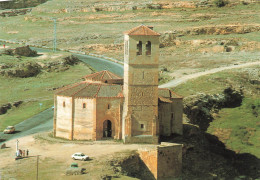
(141, 56)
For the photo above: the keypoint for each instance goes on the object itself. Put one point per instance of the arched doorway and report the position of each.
(107, 129)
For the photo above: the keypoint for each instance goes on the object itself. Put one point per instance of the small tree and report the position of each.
(221, 3)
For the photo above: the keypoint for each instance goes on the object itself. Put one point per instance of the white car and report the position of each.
(79, 156)
(9, 130)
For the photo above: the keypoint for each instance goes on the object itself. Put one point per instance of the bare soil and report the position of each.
(58, 154)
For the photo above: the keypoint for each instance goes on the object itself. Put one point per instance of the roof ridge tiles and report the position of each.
(172, 92)
(96, 95)
(68, 87)
(109, 75)
(103, 74)
(142, 30)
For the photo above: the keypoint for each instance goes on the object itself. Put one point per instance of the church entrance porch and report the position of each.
(107, 129)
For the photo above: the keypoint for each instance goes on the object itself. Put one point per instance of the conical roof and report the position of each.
(91, 90)
(141, 30)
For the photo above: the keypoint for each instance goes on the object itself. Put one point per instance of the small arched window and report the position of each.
(148, 48)
(84, 105)
(108, 106)
(64, 104)
(139, 48)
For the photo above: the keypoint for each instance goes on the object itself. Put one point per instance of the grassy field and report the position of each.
(34, 90)
(237, 127)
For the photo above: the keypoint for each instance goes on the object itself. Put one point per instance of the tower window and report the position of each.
(148, 48)
(143, 74)
(139, 48)
(108, 106)
(64, 104)
(142, 126)
(84, 105)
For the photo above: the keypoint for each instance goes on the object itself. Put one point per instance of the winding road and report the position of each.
(185, 78)
(44, 120)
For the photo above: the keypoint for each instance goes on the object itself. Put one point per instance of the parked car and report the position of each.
(79, 156)
(9, 130)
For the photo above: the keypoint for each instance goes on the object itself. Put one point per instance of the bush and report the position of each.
(154, 6)
(221, 3)
(134, 8)
(245, 3)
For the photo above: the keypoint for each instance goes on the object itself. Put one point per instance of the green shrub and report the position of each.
(221, 3)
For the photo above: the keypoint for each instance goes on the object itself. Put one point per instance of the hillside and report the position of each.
(196, 35)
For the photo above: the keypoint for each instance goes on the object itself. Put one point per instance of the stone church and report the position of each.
(132, 108)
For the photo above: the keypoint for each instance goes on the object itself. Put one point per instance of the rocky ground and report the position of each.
(32, 67)
(199, 108)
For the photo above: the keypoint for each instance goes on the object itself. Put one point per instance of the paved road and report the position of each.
(44, 121)
(185, 78)
(102, 64)
(39, 123)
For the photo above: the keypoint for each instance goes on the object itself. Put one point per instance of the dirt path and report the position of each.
(185, 78)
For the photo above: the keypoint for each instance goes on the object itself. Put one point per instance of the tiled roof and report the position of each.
(164, 99)
(142, 30)
(167, 93)
(91, 90)
(101, 76)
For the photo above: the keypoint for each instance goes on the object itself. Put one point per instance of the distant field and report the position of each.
(98, 26)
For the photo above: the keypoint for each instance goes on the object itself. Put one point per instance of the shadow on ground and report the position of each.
(206, 157)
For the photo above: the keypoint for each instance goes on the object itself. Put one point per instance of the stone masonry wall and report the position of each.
(140, 89)
(169, 160)
(84, 117)
(150, 159)
(109, 109)
(64, 117)
(177, 109)
(170, 117)
(164, 161)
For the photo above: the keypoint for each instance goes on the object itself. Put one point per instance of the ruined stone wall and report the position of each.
(64, 117)
(84, 118)
(150, 159)
(109, 109)
(163, 161)
(169, 160)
